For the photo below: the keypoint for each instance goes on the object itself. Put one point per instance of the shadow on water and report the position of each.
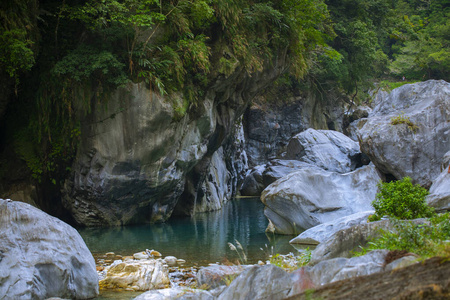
(199, 240)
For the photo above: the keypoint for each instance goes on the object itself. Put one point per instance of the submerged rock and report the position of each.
(322, 232)
(408, 131)
(42, 257)
(307, 198)
(137, 275)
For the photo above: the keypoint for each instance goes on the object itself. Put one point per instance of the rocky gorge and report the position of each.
(322, 184)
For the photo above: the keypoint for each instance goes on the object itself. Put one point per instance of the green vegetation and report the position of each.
(66, 57)
(401, 200)
(291, 262)
(401, 119)
(426, 240)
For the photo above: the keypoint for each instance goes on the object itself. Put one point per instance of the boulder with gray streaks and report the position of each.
(408, 131)
(42, 257)
(322, 232)
(310, 197)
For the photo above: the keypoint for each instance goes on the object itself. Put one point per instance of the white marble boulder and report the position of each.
(310, 197)
(42, 257)
(408, 131)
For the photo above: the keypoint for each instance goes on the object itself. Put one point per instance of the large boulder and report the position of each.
(344, 242)
(42, 257)
(439, 196)
(322, 232)
(216, 275)
(137, 275)
(259, 282)
(262, 176)
(310, 197)
(327, 149)
(408, 131)
(270, 123)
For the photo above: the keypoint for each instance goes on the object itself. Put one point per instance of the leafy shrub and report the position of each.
(427, 240)
(401, 200)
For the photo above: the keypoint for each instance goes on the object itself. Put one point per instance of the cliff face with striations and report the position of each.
(136, 164)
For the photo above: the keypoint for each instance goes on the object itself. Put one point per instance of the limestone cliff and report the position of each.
(136, 164)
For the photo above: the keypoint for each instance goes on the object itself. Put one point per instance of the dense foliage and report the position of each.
(401, 200)
(66, 55)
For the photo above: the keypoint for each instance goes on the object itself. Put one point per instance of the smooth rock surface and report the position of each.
(259, 282)
(42, 257)
(310, 197)
(262, 176)
(344, 242)
(216, 275)
(439, 196)
(322, 232)
(327, 149)
(399, 149)
(140, 275)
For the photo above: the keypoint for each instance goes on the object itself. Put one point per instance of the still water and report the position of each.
(199, 240)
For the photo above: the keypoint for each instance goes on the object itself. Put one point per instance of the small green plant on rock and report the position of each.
(401, 119)
(401, 200)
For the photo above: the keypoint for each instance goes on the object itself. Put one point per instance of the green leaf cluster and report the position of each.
(401, 200)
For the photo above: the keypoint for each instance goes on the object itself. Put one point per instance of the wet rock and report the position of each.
(415, 146)
(439, 196)
(141, 275)
(322, 232)
(216, 275)
(327, 149)
(176, 293)
(170, 260)
(140, 255)
(253, 183)
(42, 257)
(307, 198)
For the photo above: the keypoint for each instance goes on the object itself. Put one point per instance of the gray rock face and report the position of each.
(135, 162)
(42, 257)
(403, 150)
(322, 232)
(439, 196)
(259, 282)
(269, 127)
(327, 149)
(336, 269)
(343, 242)
(214, 276)
(310, 197)
(262, 176)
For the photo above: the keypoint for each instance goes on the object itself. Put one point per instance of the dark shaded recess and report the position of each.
(358, 160)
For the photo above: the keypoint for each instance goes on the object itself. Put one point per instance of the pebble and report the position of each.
(140, 255)
(110, 254)
(170, 260)
(181, 261)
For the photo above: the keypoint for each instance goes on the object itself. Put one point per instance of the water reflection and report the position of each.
(202, 239)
